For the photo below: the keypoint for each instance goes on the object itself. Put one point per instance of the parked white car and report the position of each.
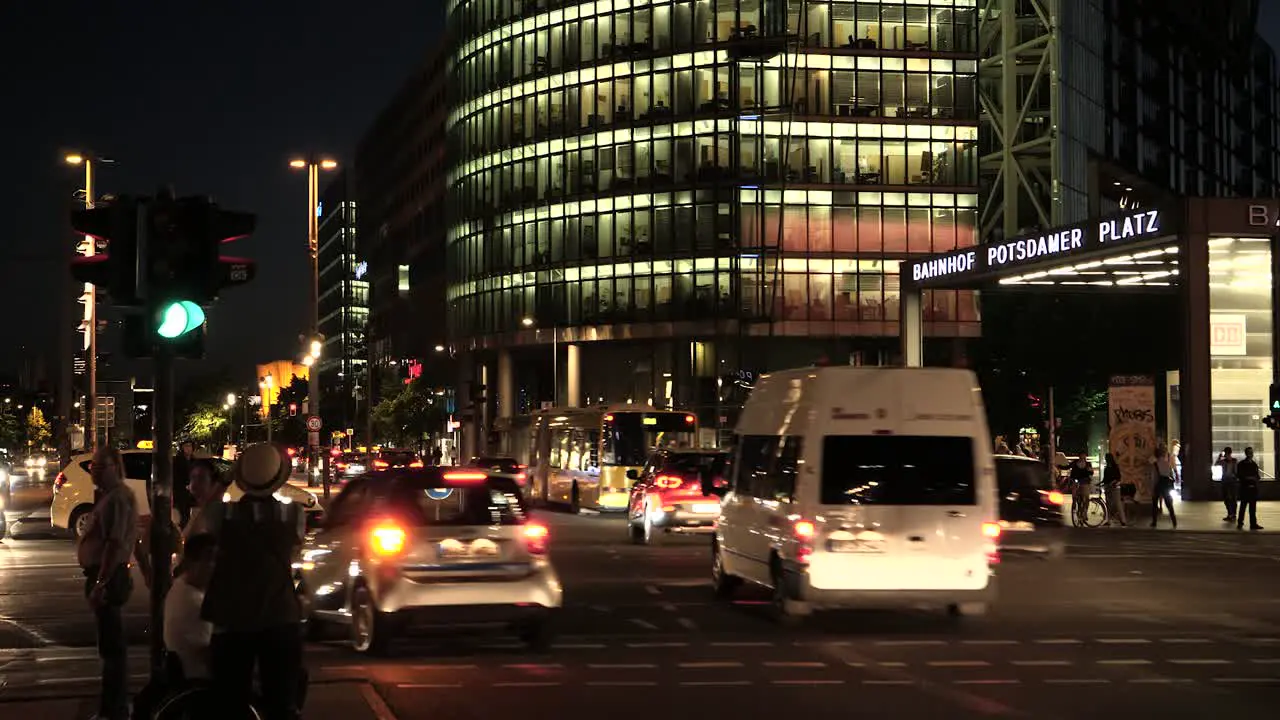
(73, 490)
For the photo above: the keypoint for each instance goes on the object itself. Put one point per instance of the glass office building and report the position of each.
(689, 193)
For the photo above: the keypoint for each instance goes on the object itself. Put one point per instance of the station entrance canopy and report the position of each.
(1135, 248)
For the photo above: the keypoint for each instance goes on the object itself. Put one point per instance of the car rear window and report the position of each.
(496, 501)
(1022, 475)
(897, 470)
(501, 465)
(689, 464)
(397, 458)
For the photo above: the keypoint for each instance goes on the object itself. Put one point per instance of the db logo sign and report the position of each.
(1227, 335)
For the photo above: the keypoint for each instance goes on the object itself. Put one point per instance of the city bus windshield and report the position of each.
(630, 436)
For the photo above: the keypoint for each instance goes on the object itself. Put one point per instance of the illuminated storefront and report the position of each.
(1215, 253)
(636, 187)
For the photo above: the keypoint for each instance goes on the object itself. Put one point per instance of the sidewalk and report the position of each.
(1198, 516)
(325, 701)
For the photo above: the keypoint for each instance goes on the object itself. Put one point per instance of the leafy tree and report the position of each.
(38, 430)
(10, 430)
(406, 412)
(204, 422)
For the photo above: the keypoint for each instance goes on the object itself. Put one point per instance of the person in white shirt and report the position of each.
(185, 633)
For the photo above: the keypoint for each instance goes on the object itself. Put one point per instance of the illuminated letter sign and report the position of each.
(1262, 215)
(1130, 227)
(944, 266)
(1034, 248)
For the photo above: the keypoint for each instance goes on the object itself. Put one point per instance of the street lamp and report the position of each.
(90, 296)
(266, 387)
(313, 166)
(555, 360)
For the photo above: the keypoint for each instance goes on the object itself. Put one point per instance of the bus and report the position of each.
(580, 456)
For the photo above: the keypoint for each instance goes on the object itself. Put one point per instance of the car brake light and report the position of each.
(690, 419)
(1053, 497)
(465, 476)
(991, 530)
(805, 530)
(415, 464)
(521, 477)
(522, 466)
(380, 464)
(535, 538)
(387, 538)
(59, 481)
(291, 452)
(668, 482)
(342, 466)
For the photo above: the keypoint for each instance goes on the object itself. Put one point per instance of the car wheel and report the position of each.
(79, 522)
(722, 583)
(634, 531)
(786, 610)
(538, 635)
(370, 629)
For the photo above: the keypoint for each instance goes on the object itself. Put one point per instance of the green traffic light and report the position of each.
(180, 318)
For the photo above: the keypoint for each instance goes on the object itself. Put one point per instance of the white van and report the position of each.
(862, 487)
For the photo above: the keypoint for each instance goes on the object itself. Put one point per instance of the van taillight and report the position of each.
(991, 532)
(805, 532)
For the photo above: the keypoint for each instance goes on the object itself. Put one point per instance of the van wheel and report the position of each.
(786, 610)
(967, 609)
(79, 522)
(722, 583)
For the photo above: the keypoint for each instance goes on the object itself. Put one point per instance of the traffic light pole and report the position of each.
(91, 393)
(162, 541)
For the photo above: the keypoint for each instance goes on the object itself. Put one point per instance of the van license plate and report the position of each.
(853, 546)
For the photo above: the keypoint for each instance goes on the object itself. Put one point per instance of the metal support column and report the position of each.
(506, 386)
(161, 503)
(1195, 386)
(573, 376)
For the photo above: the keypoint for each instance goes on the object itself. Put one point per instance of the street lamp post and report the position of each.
(89, 247)
(313, 168)
(265, 386)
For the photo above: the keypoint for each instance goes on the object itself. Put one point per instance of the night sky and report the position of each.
(211, 97)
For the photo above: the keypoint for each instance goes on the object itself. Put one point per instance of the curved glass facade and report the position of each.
(638, 169)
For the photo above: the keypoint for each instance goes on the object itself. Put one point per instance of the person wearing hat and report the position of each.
(251, 601)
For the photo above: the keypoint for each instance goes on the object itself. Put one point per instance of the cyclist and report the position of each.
(1081, 479)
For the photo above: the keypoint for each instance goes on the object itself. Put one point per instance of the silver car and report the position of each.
(429, 546)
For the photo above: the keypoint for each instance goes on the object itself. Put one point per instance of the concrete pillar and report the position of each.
(911, 325)
(467, 409)
(506, 386)
(484, 410)
(1195, 388)
(572, 376)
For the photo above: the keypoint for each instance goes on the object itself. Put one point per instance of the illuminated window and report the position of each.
(402, 283)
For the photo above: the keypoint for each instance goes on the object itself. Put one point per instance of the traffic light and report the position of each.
(184, 262)
(179, 318)
(141, 333)
(1272, 418)
(115, 271)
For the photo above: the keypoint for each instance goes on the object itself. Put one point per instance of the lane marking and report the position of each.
(714, 683)
(1041, 663)
(376, 703)
(958, 663)
(1265, 661)
(32, 634)
(710, 664)
(643, 623)
(987, 682)
(1124, 641)
(788, 664)
(806, 682)
(1200, 661)
(622, 666)
(1247, 680)
(1126, 661)
(892, 664)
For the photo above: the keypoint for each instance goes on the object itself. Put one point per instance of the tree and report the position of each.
(407, 412)
(290, 429)
(10, 430)
(204, 422)
(38, 430)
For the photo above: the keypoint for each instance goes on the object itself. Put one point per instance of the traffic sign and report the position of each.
(313, 423)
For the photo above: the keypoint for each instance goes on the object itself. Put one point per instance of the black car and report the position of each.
(1030, 506)
(396, 459)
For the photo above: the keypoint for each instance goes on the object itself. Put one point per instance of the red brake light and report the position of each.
(536, 537)
(522, 466)
(521, 477)
(1053, 497)
(805, 530)
(668, 482)
(465, 476)
(387, 538)
(291, 452)
(608, 418)
(59, 481)
(690, 419)
(991, 530)
(379, 464)
(416, 464)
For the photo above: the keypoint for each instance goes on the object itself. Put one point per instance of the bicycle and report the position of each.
(1095, 510)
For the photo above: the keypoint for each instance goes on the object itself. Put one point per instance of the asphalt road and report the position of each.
(1131, 622)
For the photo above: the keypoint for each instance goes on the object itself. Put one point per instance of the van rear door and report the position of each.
(900, 512)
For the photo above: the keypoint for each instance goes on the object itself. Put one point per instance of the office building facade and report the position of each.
(680, 195)
(344, 305)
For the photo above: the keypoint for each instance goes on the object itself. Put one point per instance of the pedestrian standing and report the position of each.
(1162, 486)
(1250, 475)
(1230, 483)
(110, 538)
(1111, 484)
(251, 602)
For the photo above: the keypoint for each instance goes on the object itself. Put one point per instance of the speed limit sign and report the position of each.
(313, 423)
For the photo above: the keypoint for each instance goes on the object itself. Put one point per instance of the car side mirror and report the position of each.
(633, 474)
